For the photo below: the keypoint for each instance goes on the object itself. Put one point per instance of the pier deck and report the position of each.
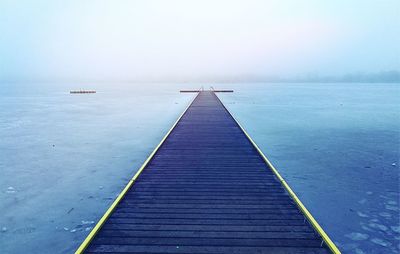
(206, 189)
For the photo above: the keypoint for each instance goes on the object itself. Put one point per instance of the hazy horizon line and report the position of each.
(392, 76)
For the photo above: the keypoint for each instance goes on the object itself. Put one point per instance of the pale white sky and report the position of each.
(169, 40)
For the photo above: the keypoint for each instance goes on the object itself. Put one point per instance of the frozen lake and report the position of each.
(64, 158)
(337, 145)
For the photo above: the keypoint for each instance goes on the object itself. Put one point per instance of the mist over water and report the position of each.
(180, 41)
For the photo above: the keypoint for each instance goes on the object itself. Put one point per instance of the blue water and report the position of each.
(64, 158)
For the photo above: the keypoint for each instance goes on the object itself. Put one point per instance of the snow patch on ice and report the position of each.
(385, 215)
(355, 236)
(11, 190)
(366, 228)
(391, 208)
(380, 242)
(86, 222)
(349, 246)
(358, 251)
(395, 229)
(378, 226)
(363, 215)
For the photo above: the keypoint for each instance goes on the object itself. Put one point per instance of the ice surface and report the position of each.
(11, 190)
(84, 222)
(392, 208)
(378, 226)
(362, 201)
(362, 215)
(358, 251)
(395, 229)
(380, 242)
(355, 236)
(385, 214)
(335, 144)
(66, 157)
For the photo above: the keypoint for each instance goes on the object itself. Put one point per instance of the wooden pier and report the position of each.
(207, 188)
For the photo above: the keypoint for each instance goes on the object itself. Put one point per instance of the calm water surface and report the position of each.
(64, 158)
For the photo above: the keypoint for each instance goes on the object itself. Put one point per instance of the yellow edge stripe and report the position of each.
(103, 219)
(304, 210)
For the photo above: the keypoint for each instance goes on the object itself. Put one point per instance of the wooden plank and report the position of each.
(206, 210)
(225, 216)
(205, 221)
(209, 228)
(202, 249)
(205, 234)
(182, 241)
(232, 207)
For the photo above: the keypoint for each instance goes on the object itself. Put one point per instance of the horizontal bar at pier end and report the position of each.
(222, 91)
(189, 91)
(81, 91)
(215, 91)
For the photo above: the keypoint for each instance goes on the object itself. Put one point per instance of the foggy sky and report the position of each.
(195, 40)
